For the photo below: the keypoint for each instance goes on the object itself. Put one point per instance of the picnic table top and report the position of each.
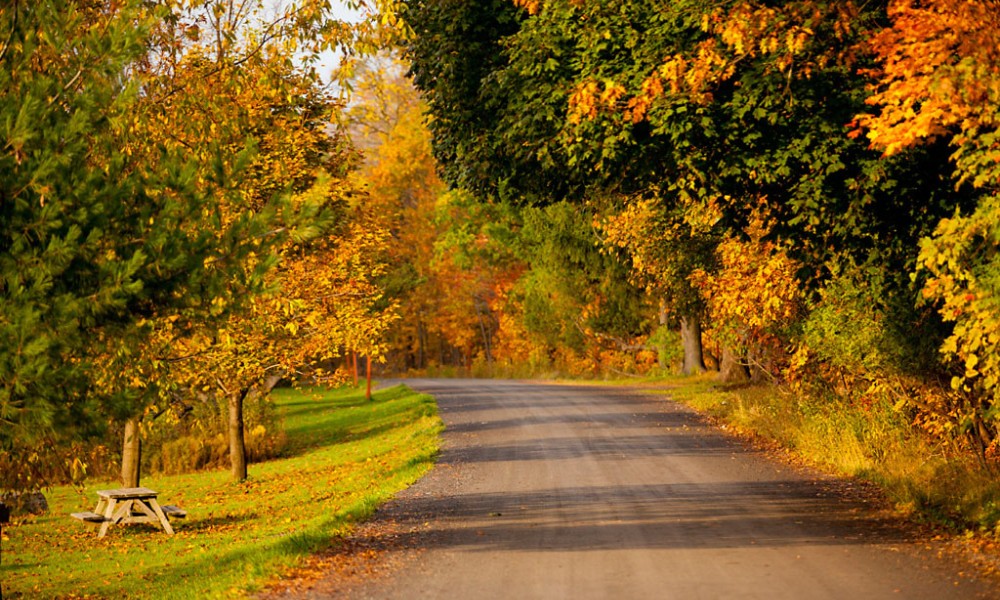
(137, 492)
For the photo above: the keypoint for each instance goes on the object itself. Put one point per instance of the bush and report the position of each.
(56, 462)
(669, 349)
(962, 260)
(754, 298)
(846, 327)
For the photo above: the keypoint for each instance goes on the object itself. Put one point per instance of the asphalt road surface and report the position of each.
(551, 491)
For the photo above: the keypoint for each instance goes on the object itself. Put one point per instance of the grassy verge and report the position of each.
(927, 479)
(345, 456)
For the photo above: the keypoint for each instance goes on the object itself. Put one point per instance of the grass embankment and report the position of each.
(345, 456)
(928, 479)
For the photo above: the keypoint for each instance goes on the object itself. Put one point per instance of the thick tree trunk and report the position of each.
(731, 369)
(131, 454)
(694, 361)
(237, 441)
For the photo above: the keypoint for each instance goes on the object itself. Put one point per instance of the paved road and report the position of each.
(547, 491)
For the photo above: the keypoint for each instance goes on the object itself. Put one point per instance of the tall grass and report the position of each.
(875, 442)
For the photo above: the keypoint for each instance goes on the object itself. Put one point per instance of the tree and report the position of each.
(936, 79)
(575, 295)
(708, 107)
(453, 52)
(238, 77)
(474, 269)
(499, 104)
(666, 250)
(100, 241)
(153, 156)
(755, 298)
(755, 97)
(403, 188)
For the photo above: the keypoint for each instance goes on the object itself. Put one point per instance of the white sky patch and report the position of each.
(330, 60)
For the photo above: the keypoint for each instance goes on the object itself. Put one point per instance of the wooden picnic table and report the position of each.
(130, 505)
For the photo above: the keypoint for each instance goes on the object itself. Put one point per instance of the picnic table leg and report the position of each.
(107, 512)
(164, 522)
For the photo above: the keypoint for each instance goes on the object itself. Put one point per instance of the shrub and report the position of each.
(754, 298)
(962, 259)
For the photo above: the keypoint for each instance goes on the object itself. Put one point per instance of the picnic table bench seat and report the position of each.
(172, 510)
(89, 517)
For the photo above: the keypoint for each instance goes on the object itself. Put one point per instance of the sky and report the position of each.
(330, 59)
(340, 10)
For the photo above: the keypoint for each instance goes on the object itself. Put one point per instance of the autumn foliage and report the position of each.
(938, 78)
(525, 187)
(198, 237)
(812, 183)
(754, 297)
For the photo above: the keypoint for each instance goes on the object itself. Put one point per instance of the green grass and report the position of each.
(345, 456)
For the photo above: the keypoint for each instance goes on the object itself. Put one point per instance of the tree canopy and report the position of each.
(167, 168)
(190, 214)
(737, 148)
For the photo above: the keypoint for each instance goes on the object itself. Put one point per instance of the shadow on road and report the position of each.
(677, 516)
(543, 434)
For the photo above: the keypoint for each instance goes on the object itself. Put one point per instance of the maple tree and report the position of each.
(685, 119)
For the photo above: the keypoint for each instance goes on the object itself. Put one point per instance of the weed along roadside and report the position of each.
(344, 457)
(924, 478)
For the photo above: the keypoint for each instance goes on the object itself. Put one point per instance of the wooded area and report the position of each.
(803, 193)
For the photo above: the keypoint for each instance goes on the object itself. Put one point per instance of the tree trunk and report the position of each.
(482, 330)
(131, 454)
(662, 351)
(731, 369)
(270, 382)
(354, 367)
(421, 343)
(368, 378)
(694, 361)
(237, 441)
